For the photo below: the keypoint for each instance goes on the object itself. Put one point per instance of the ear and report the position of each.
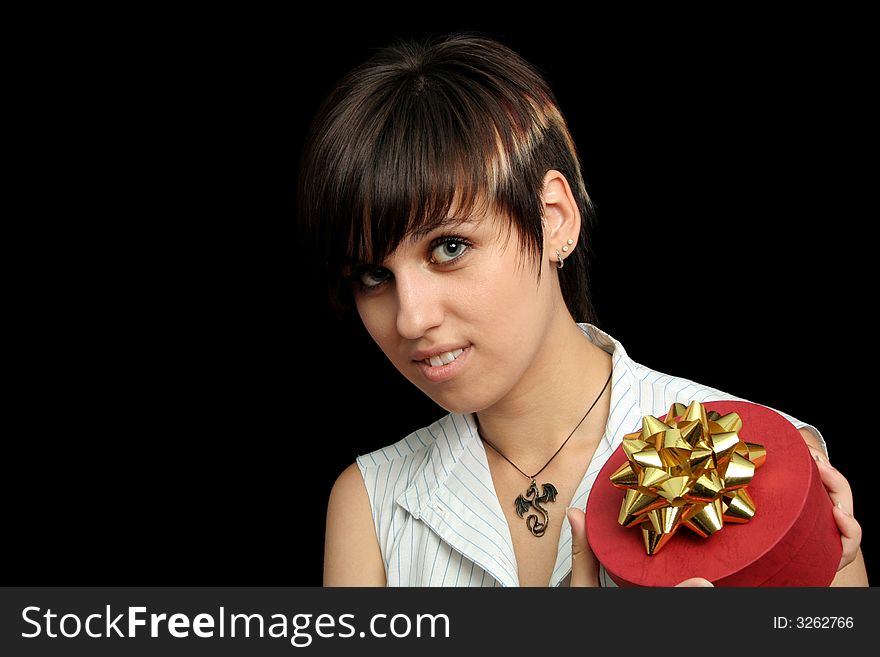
(561, 217)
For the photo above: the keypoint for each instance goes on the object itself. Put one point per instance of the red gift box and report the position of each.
(792, 540)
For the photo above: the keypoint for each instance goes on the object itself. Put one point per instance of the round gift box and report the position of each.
(792, 540)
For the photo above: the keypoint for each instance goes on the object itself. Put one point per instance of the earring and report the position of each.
(560, 263)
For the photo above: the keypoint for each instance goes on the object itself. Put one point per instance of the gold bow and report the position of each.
(691, 471)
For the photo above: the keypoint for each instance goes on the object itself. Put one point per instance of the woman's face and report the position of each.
(468, 291)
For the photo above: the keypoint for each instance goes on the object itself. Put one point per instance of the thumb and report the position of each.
(584, 565)
(694, 582)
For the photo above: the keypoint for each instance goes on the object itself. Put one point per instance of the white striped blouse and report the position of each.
(434, 506)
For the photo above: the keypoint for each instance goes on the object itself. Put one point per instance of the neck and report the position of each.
(534, 419)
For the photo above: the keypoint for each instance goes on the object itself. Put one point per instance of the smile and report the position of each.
(444, 366)
(443, 359)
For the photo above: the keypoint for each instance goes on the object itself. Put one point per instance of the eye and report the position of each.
(370, 278)
(448, 248)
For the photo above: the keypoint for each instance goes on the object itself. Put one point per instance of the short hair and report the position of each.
(420, 127)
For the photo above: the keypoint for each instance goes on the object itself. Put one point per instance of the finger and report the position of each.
(694, 582)
(841, 496)
(835, 483)
(850, 536)
(584, 565)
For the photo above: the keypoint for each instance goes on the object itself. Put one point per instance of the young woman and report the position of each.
(442, 191)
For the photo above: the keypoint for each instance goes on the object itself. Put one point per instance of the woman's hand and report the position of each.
(841, 496)
(585, 566)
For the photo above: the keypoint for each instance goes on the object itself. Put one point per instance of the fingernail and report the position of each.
(847, 513)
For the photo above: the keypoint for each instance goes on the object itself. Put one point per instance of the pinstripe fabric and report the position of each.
(437, 516)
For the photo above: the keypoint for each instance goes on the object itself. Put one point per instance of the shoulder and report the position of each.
(380, 462)
(372, 471)
(657, 391)
(653, 384)
(349, 504)
(414, 446)
(361, 507)
(348, 487)
(388, 470)
(349, 523)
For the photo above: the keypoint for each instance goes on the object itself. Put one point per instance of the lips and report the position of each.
(444, 371)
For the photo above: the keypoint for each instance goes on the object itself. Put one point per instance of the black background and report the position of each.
(185, 403)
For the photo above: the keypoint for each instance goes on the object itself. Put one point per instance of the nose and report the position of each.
(419, 303)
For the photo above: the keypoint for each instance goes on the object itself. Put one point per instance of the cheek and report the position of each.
(378, 322)
(507, 293)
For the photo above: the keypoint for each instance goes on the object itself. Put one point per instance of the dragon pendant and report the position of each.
(535, 524)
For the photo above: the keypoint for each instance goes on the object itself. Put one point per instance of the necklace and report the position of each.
(531, 499)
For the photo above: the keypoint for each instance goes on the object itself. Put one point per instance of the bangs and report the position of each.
(433, 160)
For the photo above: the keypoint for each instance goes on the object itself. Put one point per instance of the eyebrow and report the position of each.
(418, 235)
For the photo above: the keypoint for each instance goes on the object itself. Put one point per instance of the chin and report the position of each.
(458, 403)
(454, 408)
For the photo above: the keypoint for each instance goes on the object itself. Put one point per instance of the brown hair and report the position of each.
(421, 126)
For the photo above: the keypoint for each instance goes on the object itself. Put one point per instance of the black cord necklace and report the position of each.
(548, 494)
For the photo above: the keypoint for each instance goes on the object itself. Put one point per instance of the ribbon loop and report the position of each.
(690, 470)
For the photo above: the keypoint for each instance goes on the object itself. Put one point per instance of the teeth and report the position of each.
(444, 359)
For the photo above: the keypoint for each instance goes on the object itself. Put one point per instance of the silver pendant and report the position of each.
(537, 525)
